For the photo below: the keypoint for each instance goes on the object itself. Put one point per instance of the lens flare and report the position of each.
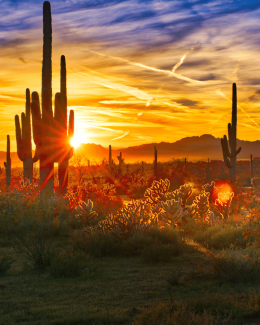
(220, 189)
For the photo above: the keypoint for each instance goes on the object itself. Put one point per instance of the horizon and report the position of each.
(169, 81)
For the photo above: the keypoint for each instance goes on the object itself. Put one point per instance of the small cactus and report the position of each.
(251, 166)
(155, 162)
(110, 156)
(7, 163)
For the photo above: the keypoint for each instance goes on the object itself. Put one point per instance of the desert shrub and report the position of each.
(34, 233)
(5, 264)
(96, 244)
(167, 235)
(68, 264)
(177, 315)
(221, 237)
(234, 266)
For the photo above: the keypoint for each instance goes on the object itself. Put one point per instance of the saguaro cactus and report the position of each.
(64, 135)
(50, 132)
(24, 139)
(229, 148)
(110, 156)
(7, 163)
(120, 160)
(207, 171)
(155, 162)
(251, 166)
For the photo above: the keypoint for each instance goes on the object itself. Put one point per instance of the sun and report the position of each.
(76, 140)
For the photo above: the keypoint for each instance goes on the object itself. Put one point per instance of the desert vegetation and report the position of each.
(116, 243)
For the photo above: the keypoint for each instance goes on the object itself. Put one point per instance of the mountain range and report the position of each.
(193, 148)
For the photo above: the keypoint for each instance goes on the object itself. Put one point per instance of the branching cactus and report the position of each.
(24, 139)
(7, 163)
(229, 148)
(202, 203)
(50, 132)
(174, 211)
(223, 204)
(51, 143)
(120, 160)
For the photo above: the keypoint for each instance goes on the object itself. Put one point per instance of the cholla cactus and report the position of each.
(213, 218)
(85, 213)
(202, 203)
(130, 220)
(185, 191)
(174, 211)
(192, 210)
(157, 192)
(223, 203)
(208, 187)
(255, 182)
(175, 195)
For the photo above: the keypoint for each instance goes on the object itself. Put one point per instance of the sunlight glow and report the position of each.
(76, 140)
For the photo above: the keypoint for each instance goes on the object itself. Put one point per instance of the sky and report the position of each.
(138, 71)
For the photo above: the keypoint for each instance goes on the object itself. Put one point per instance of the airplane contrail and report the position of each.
(181, 60)
(121, 136)
(167, 72)
(127, 89)
(219, 92)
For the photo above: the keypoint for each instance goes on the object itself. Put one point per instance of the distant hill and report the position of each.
(193, 148)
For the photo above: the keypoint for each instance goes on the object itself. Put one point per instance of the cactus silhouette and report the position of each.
(229, 148)
(251, 166)
(155, 162)
(7, 163)
(110, 155)
(207, 171)
(24, 139)
(50, 131)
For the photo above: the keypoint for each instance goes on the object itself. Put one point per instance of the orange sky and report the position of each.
(130, 80)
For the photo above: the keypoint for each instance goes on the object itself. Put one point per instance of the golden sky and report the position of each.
(137, 71)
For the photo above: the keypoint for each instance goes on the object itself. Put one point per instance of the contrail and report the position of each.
(167, 72)
(181, 60)
(127, 89)
(219, 92)
(121, 136)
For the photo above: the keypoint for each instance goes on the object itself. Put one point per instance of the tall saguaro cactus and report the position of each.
(24, 139)
(63, 133)
(229, 148)
(50, 131)
(7, 163)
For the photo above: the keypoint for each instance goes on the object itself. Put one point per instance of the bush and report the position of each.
(177, 315)
(68, 264)
(234, 266)
(96, 244)
(5, 264)
(221, 238)
(35, 231)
